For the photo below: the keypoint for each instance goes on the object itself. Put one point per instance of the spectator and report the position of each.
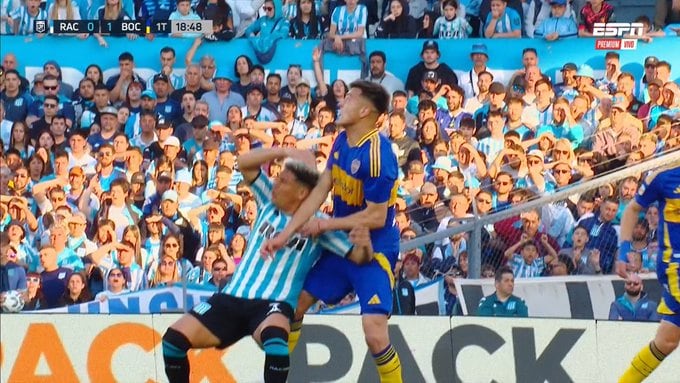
(502, 21)
(379, 74)
(502, 303)
(430, 55)
(53, 279)
(411, 270)
(76, 291)
(595, 11)
(34, 298)
(585, 260)
(561, 266)
(634, 304)
(559, 26)
(306, 24)
(603, 235)
(450, 25)
(398, 23)
(221, 98)
(529, 263)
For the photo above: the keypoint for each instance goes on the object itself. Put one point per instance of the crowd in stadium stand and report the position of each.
(128, 183)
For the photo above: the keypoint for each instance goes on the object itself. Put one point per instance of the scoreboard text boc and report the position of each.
(122, 26)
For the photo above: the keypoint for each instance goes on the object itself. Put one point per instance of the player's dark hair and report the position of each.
(375, 93)
(304, 174)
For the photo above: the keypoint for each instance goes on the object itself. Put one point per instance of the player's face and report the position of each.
(287, 190)
(355, 108)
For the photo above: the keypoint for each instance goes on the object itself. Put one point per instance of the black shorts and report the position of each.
(231, 318)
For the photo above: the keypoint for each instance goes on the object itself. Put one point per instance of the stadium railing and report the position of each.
(473, 226)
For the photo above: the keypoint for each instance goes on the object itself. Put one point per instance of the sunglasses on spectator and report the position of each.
(268, 8)
(503, 183)
(172, 245)
(561, 171)
(168, 263)
(50, 87)
(534, 162)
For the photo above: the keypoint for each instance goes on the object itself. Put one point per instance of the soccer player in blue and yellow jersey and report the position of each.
(362, 176)
(663, 188)
(260, 299)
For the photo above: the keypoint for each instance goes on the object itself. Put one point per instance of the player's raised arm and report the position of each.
(250, 163)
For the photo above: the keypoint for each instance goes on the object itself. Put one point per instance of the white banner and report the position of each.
(127, 348)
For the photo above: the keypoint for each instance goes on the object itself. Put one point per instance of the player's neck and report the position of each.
(357, 132)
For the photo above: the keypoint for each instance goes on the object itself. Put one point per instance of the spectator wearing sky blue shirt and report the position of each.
(559, 25)
(348, 22)
(502, 21)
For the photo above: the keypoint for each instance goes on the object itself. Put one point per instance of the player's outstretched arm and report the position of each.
(628, 221)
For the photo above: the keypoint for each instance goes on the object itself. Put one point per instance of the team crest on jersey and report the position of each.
(641, 189)
(355, 166)
(336, 155)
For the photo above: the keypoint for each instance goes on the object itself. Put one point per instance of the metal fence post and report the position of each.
(474, 249)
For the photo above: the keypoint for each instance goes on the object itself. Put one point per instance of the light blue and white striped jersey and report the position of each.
(458, 28)
(289, 10)
(508, 22)
(281, 277)
(347, 22)
(25, 20)
(490, 147)
(522, 270)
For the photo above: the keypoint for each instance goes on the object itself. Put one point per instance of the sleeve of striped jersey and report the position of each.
(650, 190)
(337, 242)
(382, 173)
(363, 15)
(335, 17)
(262, 189)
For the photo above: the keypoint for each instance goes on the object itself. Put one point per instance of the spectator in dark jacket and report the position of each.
(634, 304)
(398, 24)
(602, 233)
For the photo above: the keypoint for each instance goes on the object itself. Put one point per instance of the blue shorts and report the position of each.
(333, 277)
(669, 307)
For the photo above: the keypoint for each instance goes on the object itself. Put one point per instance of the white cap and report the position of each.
(443, 163)
(172, 141)
(170, 195)
(183, 175)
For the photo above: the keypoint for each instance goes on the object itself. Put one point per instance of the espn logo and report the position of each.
(612, 30)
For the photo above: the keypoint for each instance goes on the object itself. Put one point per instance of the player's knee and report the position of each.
(666, 345)
(274, 341)
(175, 344)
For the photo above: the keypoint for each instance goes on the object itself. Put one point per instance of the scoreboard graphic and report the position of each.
(75, 27)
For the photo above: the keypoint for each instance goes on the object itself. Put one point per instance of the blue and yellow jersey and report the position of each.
(366, 172)
(664, 187)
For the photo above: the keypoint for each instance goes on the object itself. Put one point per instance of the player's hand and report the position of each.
(362, 252)
(272, 245)
(313, 228)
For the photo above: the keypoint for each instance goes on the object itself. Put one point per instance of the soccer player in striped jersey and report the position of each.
(362, 174)
(449, 26)
(662, 188)
(263, 292)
